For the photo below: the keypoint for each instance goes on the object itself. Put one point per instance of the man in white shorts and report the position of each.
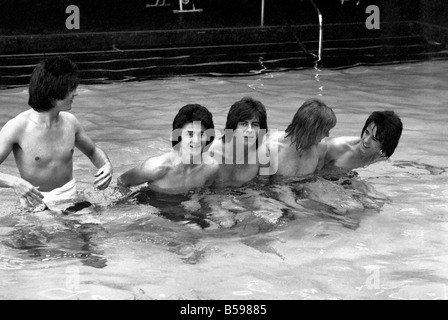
(44, 137)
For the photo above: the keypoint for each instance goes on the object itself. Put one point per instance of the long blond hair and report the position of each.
(312, 119)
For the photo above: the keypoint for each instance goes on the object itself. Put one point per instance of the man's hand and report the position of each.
(103, 177)
(122, 189)
(28, 194)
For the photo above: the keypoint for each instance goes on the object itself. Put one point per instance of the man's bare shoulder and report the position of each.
(162, 162)
(17, 125)
(264, 147)
(216, 146)
(217, 150)
(69, 118)
(277, 140)
(342, 144)
(151, 169)
(276, 136)
(68, 115)
(209, 160)
(21, 118)
(340, 147)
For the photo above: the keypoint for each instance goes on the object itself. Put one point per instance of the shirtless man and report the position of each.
(300, 150)
(186, 166)
(43, 139)
(378, 141)
(242, 146)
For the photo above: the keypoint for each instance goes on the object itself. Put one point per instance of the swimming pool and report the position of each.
(105, 57)
(129, 251)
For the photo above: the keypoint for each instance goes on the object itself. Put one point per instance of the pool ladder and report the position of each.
(158, 4)
(162, 3)
(319, 14)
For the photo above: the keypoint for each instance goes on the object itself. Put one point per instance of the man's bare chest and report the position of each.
(45, 147)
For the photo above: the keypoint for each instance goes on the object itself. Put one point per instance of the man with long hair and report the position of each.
(241, 151)
(300, 150)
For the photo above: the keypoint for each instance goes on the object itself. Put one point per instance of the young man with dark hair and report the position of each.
(43, 139)
(185, 167)
(243, 144)
(379, 138)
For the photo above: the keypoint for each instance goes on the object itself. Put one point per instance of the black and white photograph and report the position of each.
(223, 155)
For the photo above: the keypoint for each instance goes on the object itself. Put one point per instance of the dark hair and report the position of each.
(52, 79)
(388, 130)
(311, 120)
(190, 113)
(246, 109)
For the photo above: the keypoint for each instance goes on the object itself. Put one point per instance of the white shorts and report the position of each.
(60, 195)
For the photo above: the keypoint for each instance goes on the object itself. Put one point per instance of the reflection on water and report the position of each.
(257, 208)
(412, 165)
(45, 236)
(378, 234)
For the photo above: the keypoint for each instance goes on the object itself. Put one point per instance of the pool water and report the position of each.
(391, 247)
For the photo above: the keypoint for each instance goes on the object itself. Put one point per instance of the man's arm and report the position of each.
(96, 155)
(24, 189)
(151, 170)
(337, 150)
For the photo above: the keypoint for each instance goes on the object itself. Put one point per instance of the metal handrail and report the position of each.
(262, 14)
(319, 55)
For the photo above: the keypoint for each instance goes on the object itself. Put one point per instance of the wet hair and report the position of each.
(388, 130)
(191, 113)
(246, 109)
(311, 120)
(52, 79)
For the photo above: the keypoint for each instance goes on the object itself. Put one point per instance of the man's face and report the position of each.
(322, 135)
(66, 103)
(193, 138)
(369, 144)
(247, 131)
